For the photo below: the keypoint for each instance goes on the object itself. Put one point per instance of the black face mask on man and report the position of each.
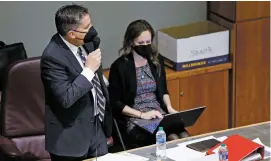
(91, 37)
(143, 50)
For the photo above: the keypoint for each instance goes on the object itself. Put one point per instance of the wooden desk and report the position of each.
(208, 86)
(260, 130)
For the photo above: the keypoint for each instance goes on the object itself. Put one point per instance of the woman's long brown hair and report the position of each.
(134, 30)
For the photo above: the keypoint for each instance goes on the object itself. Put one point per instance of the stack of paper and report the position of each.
(121, 157)
(182, 153)
(252, 157)
(267, 150)
(213, 157)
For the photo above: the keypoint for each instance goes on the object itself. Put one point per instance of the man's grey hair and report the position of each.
(69, 17)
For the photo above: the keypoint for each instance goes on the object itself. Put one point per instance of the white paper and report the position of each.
(121, 157)
(140, 158)
(267, 150)
(212, 157)
(253, 157)
(222, 138)
(186, 154)
(183, 153)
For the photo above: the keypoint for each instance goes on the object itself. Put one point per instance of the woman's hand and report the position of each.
(151, 115)
(171, 110)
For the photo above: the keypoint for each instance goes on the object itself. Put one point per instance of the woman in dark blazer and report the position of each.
(137, 83)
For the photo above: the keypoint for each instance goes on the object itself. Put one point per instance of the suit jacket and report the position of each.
(69, 115)
(123, 83)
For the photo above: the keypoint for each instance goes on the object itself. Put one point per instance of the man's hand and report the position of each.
(151, 115)
(93, 60)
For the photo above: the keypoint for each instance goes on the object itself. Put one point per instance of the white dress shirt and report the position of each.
(88, 73)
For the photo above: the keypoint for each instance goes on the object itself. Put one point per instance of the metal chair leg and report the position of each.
(119, 134)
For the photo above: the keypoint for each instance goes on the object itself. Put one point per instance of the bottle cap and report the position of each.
(160, 128)
(223, 145)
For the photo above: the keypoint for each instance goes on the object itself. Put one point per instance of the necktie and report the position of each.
(99, 94)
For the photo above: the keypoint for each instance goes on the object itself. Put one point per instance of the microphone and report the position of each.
(96, 42)
(92, 46)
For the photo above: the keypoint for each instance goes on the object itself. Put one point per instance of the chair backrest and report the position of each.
(8, 55)
(23, 103)
(2, 44)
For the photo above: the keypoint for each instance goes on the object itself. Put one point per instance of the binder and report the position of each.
(239, 148)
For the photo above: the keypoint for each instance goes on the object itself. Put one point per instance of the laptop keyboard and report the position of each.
(151, 127)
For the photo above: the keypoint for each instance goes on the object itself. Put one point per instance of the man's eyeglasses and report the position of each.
(80, 31)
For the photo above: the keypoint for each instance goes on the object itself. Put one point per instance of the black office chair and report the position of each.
(126, 141)
(8, 55)
(2, 44)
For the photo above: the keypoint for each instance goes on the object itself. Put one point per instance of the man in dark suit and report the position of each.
(78, 115)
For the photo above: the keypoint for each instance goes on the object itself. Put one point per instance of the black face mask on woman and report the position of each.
(143, 50)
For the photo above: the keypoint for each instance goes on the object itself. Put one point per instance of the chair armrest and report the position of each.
(8, 147)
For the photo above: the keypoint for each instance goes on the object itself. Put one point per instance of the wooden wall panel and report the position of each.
(253, 72)
(232, 86)
(225, 9)
(248, 10)
(240, 10)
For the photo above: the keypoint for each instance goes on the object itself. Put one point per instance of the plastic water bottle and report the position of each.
(161, 145)
(223, 153)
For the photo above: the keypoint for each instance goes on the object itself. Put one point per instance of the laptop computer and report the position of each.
(187, 118)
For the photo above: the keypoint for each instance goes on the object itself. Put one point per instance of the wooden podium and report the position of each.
(249, 23)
